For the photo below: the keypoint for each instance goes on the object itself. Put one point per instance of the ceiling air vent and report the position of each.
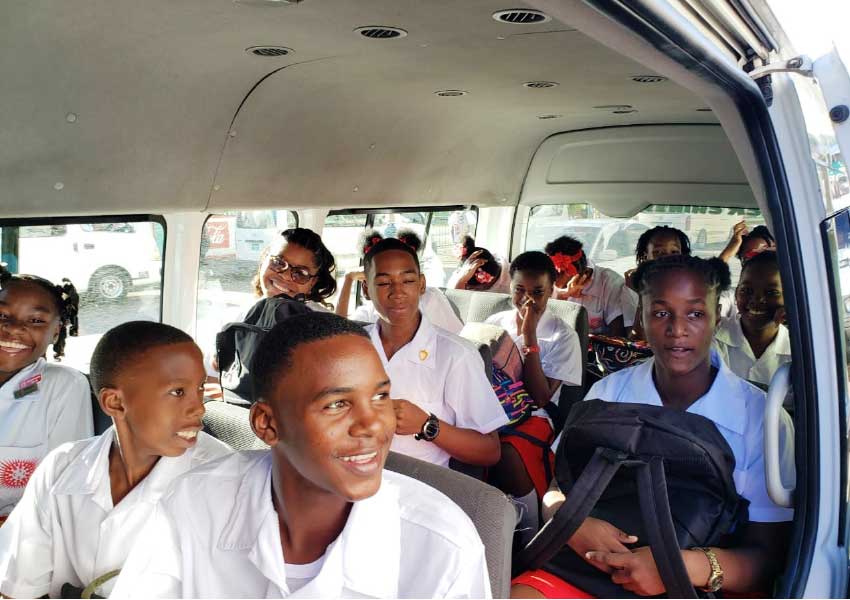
(547, 117)
(540, 85)
(269, 51)
(376, 32)
(451, 93)
(521, 16)
(649, 79)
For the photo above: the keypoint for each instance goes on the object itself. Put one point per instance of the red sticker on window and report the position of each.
(16, 473)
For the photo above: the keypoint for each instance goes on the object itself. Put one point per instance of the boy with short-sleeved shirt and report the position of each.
(444, 375)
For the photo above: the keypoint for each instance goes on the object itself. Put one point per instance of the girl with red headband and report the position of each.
(480, 271)
(610, 307)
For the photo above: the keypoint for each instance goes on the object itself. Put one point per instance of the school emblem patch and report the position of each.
(16, 473)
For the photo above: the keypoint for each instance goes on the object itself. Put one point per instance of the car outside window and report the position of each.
(611, 241)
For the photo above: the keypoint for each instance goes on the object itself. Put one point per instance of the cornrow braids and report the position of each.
(713, 271)
(642, 245)
(67, 301)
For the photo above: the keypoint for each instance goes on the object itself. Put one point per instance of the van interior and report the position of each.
(155, 148)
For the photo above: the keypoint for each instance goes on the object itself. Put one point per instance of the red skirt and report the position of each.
(538, 458)
(549, 585)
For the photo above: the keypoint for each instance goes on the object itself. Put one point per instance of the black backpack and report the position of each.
(236, 343)
(661, 474)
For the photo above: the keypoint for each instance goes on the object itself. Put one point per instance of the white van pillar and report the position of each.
(182, 263)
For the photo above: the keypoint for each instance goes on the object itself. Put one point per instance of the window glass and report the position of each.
(115, 266)
(341, 234)
(610, 241)
(232, 244)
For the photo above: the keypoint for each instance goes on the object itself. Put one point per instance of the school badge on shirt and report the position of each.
(27, 386)
(423, 355)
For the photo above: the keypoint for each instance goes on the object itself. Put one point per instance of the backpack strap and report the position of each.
(544, 446)
(225, 343)
(585, 492)
(658, 524)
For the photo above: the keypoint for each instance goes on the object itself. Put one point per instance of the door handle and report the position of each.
(779, 386)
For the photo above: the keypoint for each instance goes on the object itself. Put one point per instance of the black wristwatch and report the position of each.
(430, 429)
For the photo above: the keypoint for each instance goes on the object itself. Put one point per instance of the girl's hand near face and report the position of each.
(738, 232)
(409, 417)
(468, 268)
(529, 317)
(575, 285)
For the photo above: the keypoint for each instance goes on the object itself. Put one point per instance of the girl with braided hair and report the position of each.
(42, 405)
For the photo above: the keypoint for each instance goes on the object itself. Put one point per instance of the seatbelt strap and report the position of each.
(658, 524)
(584, 495)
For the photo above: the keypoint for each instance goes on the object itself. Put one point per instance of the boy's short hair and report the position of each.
(534, 263)
(123, 344)
(273, 356)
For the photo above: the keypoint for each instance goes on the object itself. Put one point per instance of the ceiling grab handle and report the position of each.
(776, 393)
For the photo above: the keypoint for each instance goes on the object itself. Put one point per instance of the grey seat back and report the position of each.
(489, 509)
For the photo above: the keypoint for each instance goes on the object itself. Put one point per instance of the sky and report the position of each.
(814, 25)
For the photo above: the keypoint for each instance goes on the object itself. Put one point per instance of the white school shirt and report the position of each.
(560, 348)
(433, 304)
(59, 410)
(737, 409)
(735, 350)
(215, 534)
(66, 530)
(605, 299)
(442, 374)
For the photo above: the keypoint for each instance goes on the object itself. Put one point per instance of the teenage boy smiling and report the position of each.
(316, 515)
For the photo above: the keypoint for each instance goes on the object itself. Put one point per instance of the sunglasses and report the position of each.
(297, 274)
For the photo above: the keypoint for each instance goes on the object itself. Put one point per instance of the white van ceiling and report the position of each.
(116, 107)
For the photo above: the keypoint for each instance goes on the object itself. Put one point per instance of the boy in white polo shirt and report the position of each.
(449, 409)
(316, 516)
(88, 501)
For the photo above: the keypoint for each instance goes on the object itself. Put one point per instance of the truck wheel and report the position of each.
(110, 283)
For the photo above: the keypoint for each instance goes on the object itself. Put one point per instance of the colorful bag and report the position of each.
(516, 402)
(612, 354)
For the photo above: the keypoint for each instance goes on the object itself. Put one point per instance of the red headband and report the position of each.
(566, 263)
(752, 253)
(482, 276)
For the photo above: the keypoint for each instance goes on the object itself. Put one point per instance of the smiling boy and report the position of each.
(316, 515)
(87, 501)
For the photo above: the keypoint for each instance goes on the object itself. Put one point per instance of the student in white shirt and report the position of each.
(754, 342)
(551, 354)
(449, 409)
(433, 302)
(42, 405)
(88, 500)
(610, 305)
(315, 516)
(680, 303)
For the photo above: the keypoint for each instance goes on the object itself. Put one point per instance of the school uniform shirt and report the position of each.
(737, 409)
(735, 350)
(53, 406)
(605, 299)
(433, 304)
(65, 529)
(560, 348)
(215, 534)
(442, 374)
(728, 306)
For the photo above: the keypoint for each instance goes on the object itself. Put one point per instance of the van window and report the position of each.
(441, 230)
(115, 266)
(610, 241)
(231, 246)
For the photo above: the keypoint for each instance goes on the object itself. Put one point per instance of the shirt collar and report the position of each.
(722, 404)
(89, 474)
(421, 350)
(373, 529)
(731, 333)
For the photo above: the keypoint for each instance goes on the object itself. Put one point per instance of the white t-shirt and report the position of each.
(57, 409)
(433, 304)
(66, 530)
(215, 534)
(737, 409)
(605, 299)
(442, 374)
(560, 348)
(735, 350)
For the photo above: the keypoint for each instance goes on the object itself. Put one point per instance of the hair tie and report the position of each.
(370, 243)
(483, 277)
(752, 253)
(565, 263)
